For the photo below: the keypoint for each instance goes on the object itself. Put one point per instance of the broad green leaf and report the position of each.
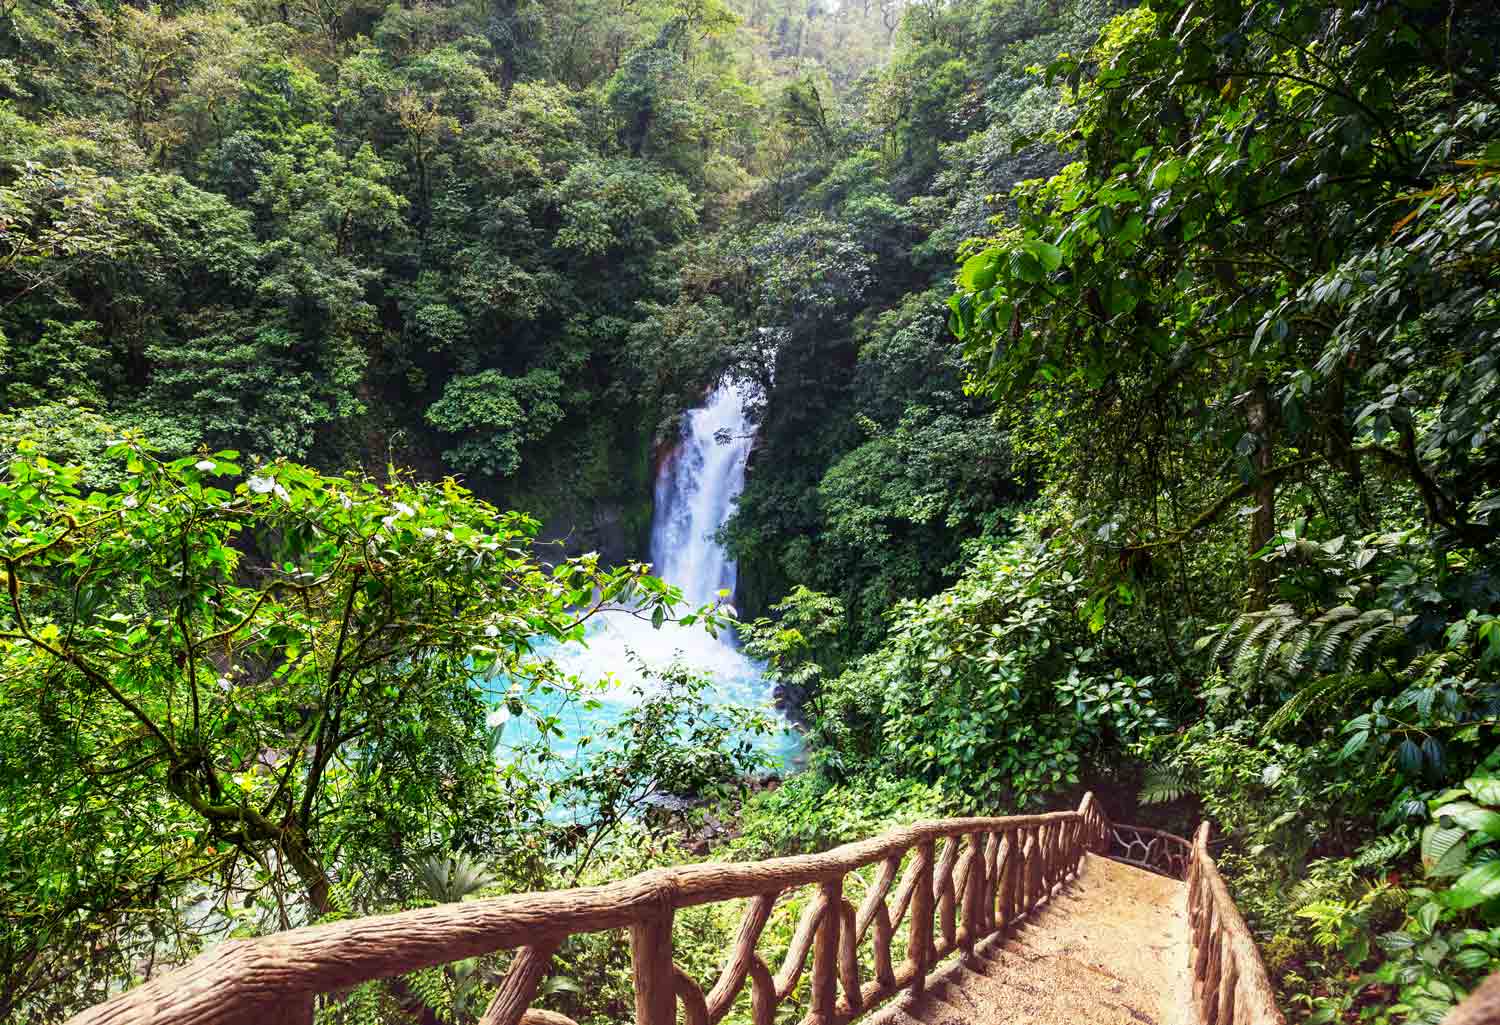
(1471, 816)
(1438, 841)
(1049, 256)
(1166, 173)
(1474, 887)
(1484, 788)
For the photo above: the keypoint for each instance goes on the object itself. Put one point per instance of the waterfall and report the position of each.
(697, 484)
(696, 488)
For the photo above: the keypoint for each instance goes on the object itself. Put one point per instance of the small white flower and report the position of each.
(260, 485)
(131, 501)
(206, 465)
(492, 631)
(225, 685)
(404, 509)
(429, 533)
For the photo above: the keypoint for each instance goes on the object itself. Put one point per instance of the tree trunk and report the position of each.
(1263, 521)
(309, 872)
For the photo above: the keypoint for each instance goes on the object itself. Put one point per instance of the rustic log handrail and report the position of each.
(1230, 985)
(965, 879)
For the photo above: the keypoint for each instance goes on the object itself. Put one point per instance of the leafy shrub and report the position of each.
(811, 813)
(996, 691)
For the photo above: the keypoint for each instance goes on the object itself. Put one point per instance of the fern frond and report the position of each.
(1164, 783)
(1289, 623)
(1295, 661)
(1246, 655)
(1227, 635)
(1337, 614)
(1331, 641)
(1431, 665)
(1382, 622)
(1325, 690)
(1384, 850)
(1299, 703)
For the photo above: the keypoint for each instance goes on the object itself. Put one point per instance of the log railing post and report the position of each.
(1052, 845)
(514, 997)
(975, 892)
(885, 972)
(1228, 976)
(653, 971)
(919, 946)
(737, 964)
(1031, 866)
(849, 973)
(991, 879)
(1005, 862)
(825, 967)
(762, 992)
(694, 1004)
(944, 892)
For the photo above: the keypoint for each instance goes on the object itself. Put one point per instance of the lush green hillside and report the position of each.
(357, 233)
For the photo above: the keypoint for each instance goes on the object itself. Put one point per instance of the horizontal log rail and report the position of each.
(946, 883)
(1230, 985)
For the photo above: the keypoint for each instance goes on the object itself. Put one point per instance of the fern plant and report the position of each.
(1387, 850)
(447, 880)
(1163, 784)
(1279, 643)
(1326, 658)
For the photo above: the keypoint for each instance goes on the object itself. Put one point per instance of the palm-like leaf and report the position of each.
(447, 880)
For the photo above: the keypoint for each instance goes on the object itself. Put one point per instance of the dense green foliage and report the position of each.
(1249, 338)
(244, 698)
(1125, 380)
(346, 232)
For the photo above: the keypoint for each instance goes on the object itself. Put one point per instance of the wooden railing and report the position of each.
(952, 882)
(1164, 853)
(1230, 985)
(963, 880)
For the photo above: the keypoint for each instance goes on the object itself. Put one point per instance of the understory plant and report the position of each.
(998, 691)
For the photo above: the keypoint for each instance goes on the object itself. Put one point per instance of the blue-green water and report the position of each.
(605, 659)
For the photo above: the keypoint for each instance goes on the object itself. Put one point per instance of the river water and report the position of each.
(697, 486)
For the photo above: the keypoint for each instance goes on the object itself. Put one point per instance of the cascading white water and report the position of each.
(697, 486)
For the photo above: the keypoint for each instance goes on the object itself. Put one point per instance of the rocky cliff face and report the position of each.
(606, 526)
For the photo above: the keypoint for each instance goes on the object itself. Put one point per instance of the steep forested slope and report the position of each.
(873, 465)
(357, 233)
(1245, 343)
